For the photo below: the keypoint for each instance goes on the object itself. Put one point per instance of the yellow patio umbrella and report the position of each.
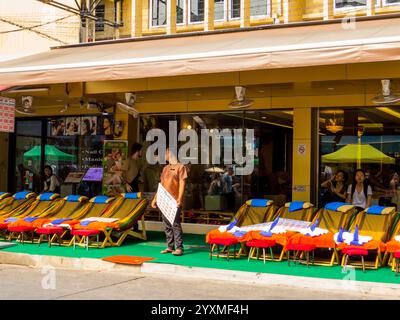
(358, 153)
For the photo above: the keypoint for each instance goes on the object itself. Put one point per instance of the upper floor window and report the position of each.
(158, 12)
(391, 2)
(192, 11)
(196, 10)
(350, 4)
(99, 24)
(119, 12)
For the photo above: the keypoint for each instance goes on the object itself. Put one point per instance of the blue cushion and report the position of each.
(334, 206)
(1, 193)
(46, 196)
(73, 198)
(259, 202)
(375, 209)
(296, 205)
(132, 195)
(101, 199)
(21, 195)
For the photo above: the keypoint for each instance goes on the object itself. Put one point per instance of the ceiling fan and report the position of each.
(386, 98)
(241, 102)
(26, 107)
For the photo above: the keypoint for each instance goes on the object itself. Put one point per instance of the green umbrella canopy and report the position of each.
(51, 154)
(352, 153)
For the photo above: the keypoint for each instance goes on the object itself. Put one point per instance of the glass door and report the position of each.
(28, 155)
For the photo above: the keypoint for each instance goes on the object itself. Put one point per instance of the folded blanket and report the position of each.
(316, 232)
(276, 230)
(348, 238)
(228, 227)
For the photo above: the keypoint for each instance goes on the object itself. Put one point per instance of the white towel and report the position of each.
(348, 237)
(397, 238)
(317, 232)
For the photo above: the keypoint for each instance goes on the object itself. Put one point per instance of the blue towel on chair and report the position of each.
(340, 235)
(273, 225)
(30, 219)
(355, 238)
(333, 206)
(239, 234)
(266, 233)
(296, 205)
(232, 224)
(11, 220)
(315, 224)
(85, 223)
(60, 221)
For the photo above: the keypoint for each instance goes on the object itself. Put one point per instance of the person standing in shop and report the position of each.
(132, 168)
(173, 179)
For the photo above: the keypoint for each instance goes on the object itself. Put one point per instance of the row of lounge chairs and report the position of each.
(26, 216)
(333, 234)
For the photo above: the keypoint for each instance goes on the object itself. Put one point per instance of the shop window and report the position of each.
(350, 4)
(99, 24)
(364, 138)
(158, 12)
(67, 144)
(221, 186)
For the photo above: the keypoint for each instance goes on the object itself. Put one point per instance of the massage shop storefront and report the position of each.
(308, 102)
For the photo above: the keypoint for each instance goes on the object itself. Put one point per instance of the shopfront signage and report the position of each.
(114, 154)
(7, 114)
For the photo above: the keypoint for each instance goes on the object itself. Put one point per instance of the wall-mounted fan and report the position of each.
(26, 107)
(386, 98)
(241, 102)
(128, 107)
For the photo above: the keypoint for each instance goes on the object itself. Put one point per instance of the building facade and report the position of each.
(311, 68)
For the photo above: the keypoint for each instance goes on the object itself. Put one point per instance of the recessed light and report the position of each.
(331, 88)
(263, 117)
(261, 91)
(197, 94)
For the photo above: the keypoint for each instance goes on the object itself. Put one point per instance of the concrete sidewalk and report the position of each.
(254, 285)
(21, 282)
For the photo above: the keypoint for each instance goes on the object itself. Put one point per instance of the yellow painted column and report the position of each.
(302, 135)
(208, 15)
(244, 13)
(171, 16)
(328, 9)
(136, 18)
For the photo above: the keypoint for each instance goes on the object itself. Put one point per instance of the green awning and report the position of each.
(52, 153)
(357, 153)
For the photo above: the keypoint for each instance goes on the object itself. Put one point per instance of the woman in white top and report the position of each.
(51, 183)
(359, 193)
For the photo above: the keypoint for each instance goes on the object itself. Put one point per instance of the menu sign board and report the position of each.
(7, 114)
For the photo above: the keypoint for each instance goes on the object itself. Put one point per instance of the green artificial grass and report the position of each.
(197, 255)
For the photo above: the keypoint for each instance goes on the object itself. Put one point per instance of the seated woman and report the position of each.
(51, 183)
(336, 187)
(359, 192)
